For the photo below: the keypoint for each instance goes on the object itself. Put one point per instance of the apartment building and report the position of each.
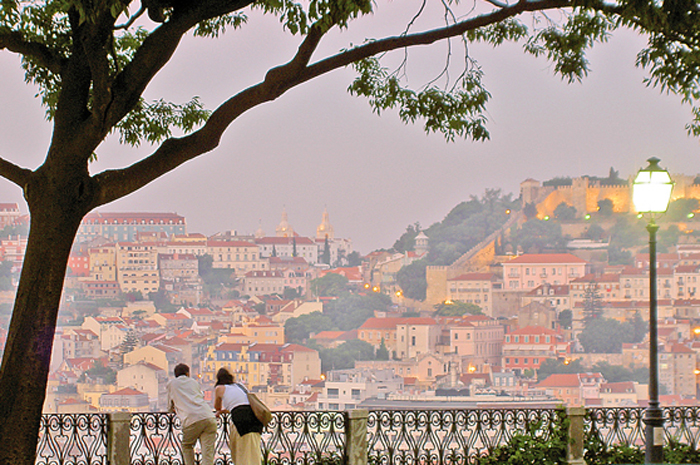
(528, 271)
(527, 348)
(239, 256)
(473, 288)
(346, 389)
(124, 226)
(103, 263)
(476, 337)
(137, 267)
(288, 246)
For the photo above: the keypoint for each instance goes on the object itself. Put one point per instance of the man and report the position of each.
(198, 422)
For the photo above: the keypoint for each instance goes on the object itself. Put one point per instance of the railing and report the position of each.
(448, 436)
(356, 437)
(626, 425)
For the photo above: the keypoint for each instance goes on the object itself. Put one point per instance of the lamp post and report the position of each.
(651, 193)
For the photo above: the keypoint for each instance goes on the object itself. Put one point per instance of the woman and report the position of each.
(244, 439)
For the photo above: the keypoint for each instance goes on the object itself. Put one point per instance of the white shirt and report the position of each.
(233, 397)
(186, 396)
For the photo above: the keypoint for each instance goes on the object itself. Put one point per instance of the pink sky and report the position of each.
(317, 146)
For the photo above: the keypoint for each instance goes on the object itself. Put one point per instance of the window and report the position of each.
(413, 340)
(332, 393)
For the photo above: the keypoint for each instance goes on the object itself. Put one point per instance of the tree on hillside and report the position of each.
(592, 302)
(536, 236)
(530, 210)
(407, 241)
(412, 279)
(551, 366)
(457, 308)
(330, 285)
(680, 209)
(605, 207)
(565, 212)
(93, 60)
(605, 335)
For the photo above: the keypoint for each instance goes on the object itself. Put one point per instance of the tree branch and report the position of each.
(114, 184)
(15, 42)
(14, 173)
(157, 49)
(426, 38)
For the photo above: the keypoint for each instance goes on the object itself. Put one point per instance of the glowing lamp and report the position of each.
(651, 190)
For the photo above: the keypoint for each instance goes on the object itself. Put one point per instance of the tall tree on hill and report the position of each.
(92, 63)
(326, 254)
(592, 303)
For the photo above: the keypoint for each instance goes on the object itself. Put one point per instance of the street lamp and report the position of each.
(651, 192)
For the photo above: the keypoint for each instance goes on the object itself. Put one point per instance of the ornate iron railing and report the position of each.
(449, 437)
(72, 439)
(626, 425)
(398, 437)
(298, 438)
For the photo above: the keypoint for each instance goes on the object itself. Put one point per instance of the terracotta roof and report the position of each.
(546, 258)
(676, 348)
(536, 330)
(566, 379)
(125, 392)
(289, 347)
(211, 243)
(617, 388)
(391, 323)
(328, 335)
(227, 346)
(604, 278)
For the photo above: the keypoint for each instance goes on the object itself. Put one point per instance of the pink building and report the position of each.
(529, 271)
(526, 348)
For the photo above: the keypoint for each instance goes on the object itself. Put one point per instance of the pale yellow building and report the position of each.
(103, 263)
(240, 256)
(149, 354)
(137, 268)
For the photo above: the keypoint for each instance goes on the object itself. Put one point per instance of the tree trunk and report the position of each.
(57, 203)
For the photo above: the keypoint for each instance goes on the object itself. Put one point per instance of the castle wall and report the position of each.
(436, 277)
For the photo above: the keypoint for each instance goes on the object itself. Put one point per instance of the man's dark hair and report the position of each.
(181, 369)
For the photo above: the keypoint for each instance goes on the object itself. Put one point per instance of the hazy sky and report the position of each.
(317, 146)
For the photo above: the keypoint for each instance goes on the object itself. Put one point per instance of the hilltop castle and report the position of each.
(584, 194)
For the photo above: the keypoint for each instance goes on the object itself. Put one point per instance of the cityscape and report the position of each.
(511, 317)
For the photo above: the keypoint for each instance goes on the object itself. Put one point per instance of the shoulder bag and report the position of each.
(261, 411)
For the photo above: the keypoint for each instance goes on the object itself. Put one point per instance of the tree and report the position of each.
(329, 285)
(457, 308)
(595, 232)
(382, 351)
(592, 302)
(605, 207)
(411, 279)
(551, 366)
(680, 209)
(92, 63)
(407, 241)
(565, 212)
(354, 259)
(326, 254)
(565, 319)
(530, 210)
(605, 335)
(298, 329)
